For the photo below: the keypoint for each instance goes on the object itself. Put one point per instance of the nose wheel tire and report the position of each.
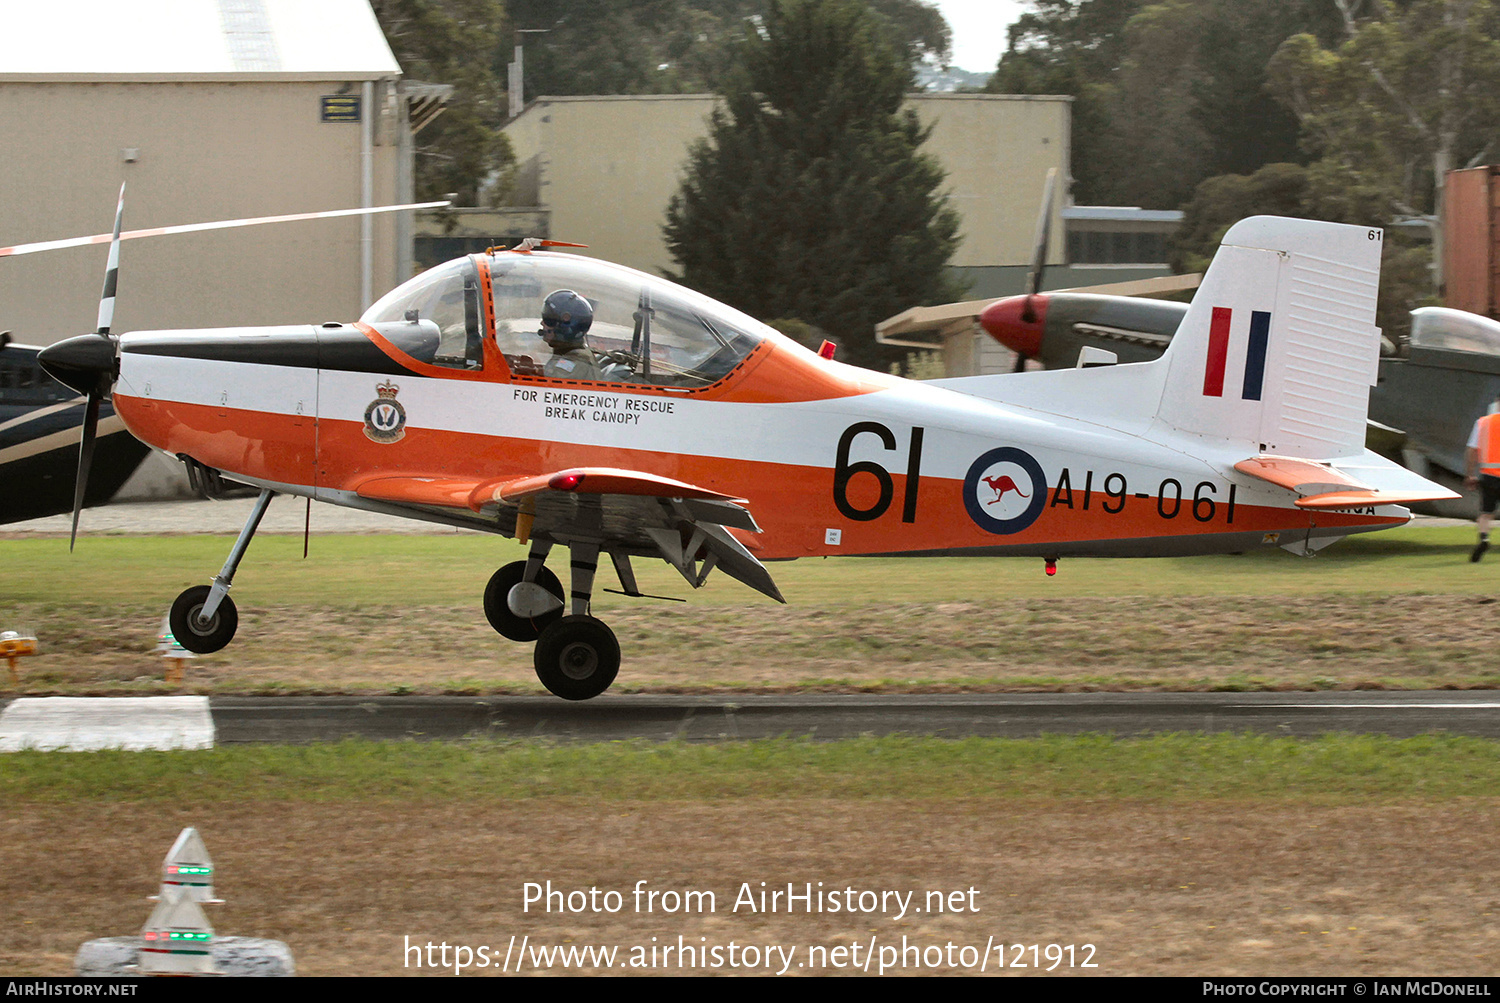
(196, 636)
(497, 611)
(577, 657)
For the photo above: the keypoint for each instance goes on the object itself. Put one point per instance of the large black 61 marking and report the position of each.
(844, 471)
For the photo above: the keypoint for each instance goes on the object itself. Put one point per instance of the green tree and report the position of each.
(810, 197)
(1310, 192)
(453, 42)
(1073, 47)
(673, 46)
(1406, 95)
(1166, 93)
(1221, 201)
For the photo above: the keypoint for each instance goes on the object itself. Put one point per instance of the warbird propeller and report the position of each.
(576, 404)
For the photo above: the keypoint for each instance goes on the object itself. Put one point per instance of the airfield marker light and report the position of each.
(177, 937)
(188, 868)
(1051, 566)
(15, 644)
(172, 652)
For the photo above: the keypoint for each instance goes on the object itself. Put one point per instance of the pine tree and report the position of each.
(810, 198)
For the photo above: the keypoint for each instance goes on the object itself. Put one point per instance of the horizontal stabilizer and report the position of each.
(1354, 499)
(1325, 486)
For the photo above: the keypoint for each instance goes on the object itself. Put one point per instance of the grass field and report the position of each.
(402, 614)
(1175, 855)
(1231, 855)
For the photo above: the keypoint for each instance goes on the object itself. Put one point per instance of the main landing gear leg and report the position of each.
(577, 656)
(203, 618)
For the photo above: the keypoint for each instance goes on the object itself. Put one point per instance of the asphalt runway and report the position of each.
(238, 720)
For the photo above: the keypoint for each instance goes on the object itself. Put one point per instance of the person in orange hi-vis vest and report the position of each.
(1483, 461)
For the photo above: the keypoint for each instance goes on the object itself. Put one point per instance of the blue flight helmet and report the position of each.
(566, 318)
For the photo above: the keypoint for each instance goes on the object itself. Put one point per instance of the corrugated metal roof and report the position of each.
(111, 40)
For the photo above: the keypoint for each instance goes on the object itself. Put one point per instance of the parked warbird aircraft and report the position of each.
(444, 402)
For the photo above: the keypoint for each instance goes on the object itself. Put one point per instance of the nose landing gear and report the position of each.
(203, 618)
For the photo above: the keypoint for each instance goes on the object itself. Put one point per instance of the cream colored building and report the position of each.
(606, 167)
(205, 109)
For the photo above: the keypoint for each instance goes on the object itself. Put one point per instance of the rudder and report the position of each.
(1279, 347)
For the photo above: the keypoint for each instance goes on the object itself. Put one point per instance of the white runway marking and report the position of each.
(88, 724)
(1363, 706)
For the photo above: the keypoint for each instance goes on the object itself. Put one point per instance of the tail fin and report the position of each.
(1279, 348)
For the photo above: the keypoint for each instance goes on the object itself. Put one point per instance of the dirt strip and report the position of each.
(1220, 888)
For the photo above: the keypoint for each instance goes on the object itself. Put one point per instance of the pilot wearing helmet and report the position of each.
(566, 318)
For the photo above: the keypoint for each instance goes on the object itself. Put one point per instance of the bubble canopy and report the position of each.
(645, 330)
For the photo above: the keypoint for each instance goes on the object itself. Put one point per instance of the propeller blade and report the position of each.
(97, 352)
(111, 272)
(85, 460)
(226, 224)
(1039, 258)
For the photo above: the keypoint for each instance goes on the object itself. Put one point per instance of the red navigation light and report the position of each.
(565, 482)
(827, 349)
(1051, 565)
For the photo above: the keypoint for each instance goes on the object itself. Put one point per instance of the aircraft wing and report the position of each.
(930, 326)
(626, 512)
(1326, 486)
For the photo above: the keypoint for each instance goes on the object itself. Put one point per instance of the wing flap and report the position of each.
(602, 481)
(449, 492)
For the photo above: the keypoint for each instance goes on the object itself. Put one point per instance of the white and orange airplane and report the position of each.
(666, 425)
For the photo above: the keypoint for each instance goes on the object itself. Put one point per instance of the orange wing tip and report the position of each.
(1359, 499)
(600, 481)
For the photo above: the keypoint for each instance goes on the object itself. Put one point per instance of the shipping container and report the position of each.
(1471, 227)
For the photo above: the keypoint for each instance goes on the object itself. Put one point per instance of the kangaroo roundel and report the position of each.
(1005, 490)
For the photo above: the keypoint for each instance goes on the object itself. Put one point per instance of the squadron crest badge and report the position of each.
(385, 418)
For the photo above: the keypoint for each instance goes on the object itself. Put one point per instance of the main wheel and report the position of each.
(202, 638)
(577, 657)
(497, 610)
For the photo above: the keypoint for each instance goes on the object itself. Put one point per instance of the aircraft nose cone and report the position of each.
(85, 363)
(1007, 323)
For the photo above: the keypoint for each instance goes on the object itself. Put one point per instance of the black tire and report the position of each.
(497, 611)
(577, 657)
(202, 639)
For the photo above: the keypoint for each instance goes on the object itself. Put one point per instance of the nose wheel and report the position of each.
(525, 625)
(196, 633)
(577, 657)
